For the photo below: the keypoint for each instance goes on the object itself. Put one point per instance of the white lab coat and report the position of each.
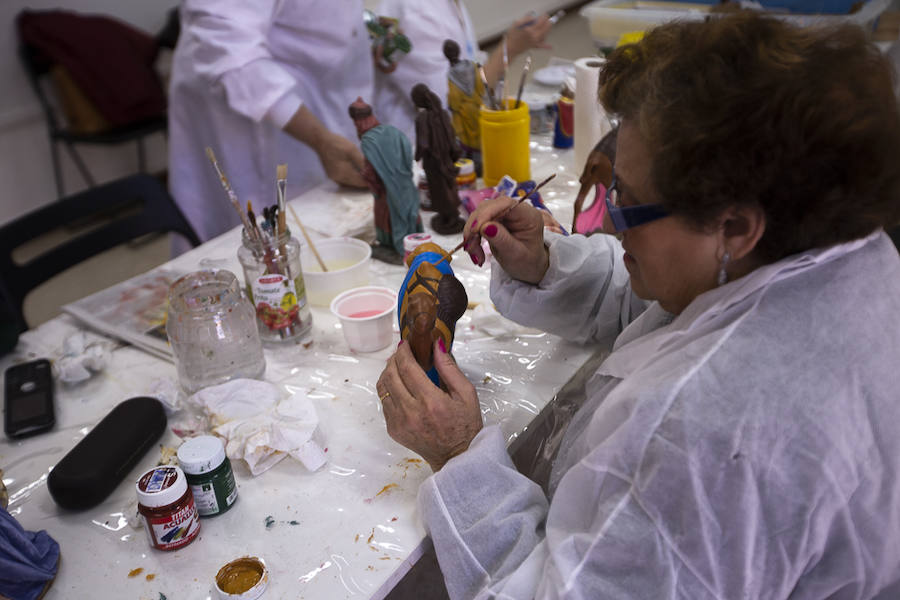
(240, 71)
(747, 448)
(427, 23)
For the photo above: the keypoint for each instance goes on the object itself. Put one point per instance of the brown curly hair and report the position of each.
(747, 109)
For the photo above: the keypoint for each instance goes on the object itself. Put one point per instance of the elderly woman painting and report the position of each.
(743, 438)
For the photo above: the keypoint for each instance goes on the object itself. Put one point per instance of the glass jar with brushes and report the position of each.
(274, 279)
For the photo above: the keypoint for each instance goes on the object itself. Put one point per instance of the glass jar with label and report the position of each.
(274, 280)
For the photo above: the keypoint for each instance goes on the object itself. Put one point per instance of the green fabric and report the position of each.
(389, 152)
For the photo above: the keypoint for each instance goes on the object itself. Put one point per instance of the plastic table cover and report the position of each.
(349, 530)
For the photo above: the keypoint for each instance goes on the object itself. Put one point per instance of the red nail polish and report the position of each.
(474, 223)
(490, 230)
(441, 344)
(473, 257)
(400, 344)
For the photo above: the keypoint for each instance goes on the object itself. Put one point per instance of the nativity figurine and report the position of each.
(465, 94)
(438, 150)
(388, 172)
(430, 302)
(597, 175)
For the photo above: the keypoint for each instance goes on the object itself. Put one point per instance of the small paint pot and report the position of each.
(413, 241)
(245, 578)
(367, 316)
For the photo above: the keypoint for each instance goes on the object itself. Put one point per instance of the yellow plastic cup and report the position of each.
(505, 137)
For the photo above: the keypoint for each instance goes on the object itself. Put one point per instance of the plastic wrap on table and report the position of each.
(350, 529)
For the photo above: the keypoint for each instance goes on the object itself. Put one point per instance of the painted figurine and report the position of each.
(436, 146)
(388, 171)
(465, 94)
(389, 44)
(597, 175)
(430, 302)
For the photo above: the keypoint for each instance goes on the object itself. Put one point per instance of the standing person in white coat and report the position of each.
(264, 83)
(427, 23)
(742, 440)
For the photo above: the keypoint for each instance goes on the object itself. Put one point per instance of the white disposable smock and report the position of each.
(747, 448)
(427, 23)
(240, 71)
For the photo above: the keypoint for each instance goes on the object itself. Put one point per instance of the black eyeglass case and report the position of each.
(98, 463)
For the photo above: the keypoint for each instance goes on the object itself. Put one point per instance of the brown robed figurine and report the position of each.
(431, 301)
(438, 149)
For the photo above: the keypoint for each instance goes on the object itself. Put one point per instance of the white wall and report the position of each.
(25, 166)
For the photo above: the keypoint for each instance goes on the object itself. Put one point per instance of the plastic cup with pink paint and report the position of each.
(367, 317)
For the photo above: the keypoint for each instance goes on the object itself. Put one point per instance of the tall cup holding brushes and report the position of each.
(270, 258)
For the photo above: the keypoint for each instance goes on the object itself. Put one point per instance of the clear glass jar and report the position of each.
(212, 330)
(274, 280)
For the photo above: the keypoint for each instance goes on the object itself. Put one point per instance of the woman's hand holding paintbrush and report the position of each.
(515, 232)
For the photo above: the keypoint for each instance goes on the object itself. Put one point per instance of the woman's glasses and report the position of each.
(626, 217)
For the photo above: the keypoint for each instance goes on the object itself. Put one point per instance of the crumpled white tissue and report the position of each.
(82, 356)
(260, 427)
(168, 392)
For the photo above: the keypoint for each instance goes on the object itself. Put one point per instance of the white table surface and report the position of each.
(349, 530)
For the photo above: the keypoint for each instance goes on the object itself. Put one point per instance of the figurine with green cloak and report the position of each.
(388, 172)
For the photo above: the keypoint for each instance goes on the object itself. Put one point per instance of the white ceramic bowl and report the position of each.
(347, 260)
(367, 317)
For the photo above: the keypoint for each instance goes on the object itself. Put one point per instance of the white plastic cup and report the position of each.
(347, 260)
(367, 317)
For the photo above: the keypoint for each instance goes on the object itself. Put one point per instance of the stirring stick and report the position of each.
(502, 215)
(230, 192)
(308, 239)
(525, 71)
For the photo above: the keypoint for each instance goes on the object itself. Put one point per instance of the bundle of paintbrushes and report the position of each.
(271, 261)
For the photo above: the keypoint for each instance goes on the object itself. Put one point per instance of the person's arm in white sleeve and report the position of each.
(231, 53)
(584, 295)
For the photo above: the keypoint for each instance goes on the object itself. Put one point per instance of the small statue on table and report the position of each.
(388, 171)
(465, 95)
(597, 175)
(430, 302)
(438, 149)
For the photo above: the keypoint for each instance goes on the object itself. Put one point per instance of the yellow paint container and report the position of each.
(505, 142)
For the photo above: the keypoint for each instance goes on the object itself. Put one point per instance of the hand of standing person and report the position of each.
(342, 160)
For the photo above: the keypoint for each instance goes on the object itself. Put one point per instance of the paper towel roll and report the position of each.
(591, 122)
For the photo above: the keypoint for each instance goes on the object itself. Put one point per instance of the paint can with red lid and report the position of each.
(167, 505)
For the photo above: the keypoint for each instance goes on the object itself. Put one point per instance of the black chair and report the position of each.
(124, 210)
(38, 70)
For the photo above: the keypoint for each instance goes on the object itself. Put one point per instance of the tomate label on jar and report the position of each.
(168, 532)
(278, 300)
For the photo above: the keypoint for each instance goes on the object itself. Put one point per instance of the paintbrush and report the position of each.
(230, 192)
(281, 184)
(487, 88)
(525, 71)
(501, 87)
(308, 240)
(502, 215)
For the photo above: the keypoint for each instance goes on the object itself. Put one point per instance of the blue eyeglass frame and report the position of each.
(631, 216)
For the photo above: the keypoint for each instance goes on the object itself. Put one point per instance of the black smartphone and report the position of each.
(28, 404)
